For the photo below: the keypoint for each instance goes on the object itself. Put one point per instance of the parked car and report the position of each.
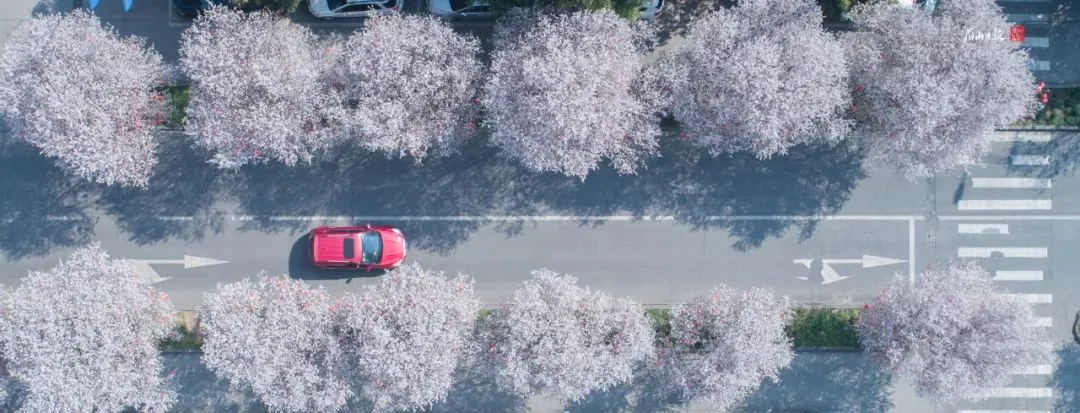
(480, 9)
(652, 9)
(460, 9)
(190, 8)
(334, 9)
(357, 247)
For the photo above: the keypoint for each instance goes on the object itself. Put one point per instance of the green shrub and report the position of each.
(178, 98)
(662, 319)
(1063, 109)
(824, 328)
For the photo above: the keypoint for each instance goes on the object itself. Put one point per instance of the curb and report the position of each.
(1039, 128)
(827, 350)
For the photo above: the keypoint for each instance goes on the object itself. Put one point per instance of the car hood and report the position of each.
(393, 247)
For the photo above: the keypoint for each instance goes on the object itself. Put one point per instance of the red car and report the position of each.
(361, 247)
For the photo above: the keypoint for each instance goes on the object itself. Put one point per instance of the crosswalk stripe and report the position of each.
(1030, 159)
(1036, 42)
(1010, 183)
(983, 252)
(1019, 136)
(1039, 65)
(1034, 298)
(983, 228)
(1004, 204)
(1037, 370)
(1020, 392)
(1018, 276)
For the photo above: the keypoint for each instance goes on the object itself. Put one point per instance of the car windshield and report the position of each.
(460, 5)
(372, 244)
(334, 4)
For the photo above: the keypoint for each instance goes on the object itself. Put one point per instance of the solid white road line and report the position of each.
(984, 228)
(1009, 217)
(1044, 322)
(177, 218)
(1021, 136)
(982, 252)
(1018, 275)
(1010, 183)
(1020, 392)
(1004, 204)
(1002, 411)
(1037, 370)
(1036, 42)
(1029, 159)
(1027, 17)
(1034, 298)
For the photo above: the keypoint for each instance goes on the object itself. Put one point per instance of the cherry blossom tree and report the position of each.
(258, 88)
(83, 336)
(952, 331)
(724, 344)
(275, 336)
(761, 77)
(566, 93)
(407, 84)
(405, 336)
(79, 92)
(928, 94)
(556, 337)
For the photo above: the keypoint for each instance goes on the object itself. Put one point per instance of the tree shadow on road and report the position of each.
(1066, 380)
(1063, 151)
(203, 391)
(768, 196)
(180, 201)
(41, 206)
(826, 382)
(649, 392)
(475, 391)
(426, 200)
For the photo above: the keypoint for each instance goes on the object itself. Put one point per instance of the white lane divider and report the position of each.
(1010, 183)
(982, 252)
(1029, 159)
(984, 228)
(1034, 298)
(1002, 411)
(1018, 136)
(1020, 392)
(1037, 370)
(1018, 275)
(1004, 204)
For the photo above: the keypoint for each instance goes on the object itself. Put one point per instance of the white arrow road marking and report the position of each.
(829, 275)
(144, 269)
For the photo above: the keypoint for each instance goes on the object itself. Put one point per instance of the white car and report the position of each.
(333, 9)
(480, 9)
(652, 9)
(460, 9)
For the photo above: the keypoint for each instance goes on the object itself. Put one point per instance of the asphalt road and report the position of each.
(697, 221)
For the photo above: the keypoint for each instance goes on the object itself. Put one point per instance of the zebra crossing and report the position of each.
(1035, 17)
(1016, 253)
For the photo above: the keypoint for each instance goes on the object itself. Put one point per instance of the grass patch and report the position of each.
(186, 334)
(824, 328)
(178, 98)
(1063, 109)
(662, 319)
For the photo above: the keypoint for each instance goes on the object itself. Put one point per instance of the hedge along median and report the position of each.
(1062, 109)
(810, 328)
